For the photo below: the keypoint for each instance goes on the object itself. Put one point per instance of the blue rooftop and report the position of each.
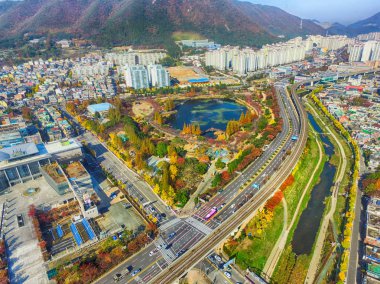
(99, 107)
(200, 80)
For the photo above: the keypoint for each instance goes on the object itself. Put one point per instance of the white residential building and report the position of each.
(158, 76)
(136, 77)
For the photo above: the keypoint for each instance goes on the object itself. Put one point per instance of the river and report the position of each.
(307, 228)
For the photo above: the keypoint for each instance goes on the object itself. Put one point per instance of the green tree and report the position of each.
(162, 149)
(201, 168)
(217, 180)
(262, 123)
(219, 164)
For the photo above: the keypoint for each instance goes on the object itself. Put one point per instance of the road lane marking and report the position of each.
(143, 270)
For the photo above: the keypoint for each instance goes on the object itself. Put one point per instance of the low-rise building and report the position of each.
(81, 184)
(102, 108)
(23, 162)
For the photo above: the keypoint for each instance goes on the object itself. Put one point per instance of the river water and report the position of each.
(307, 228)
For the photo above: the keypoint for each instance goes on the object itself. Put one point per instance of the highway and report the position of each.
(194, 236)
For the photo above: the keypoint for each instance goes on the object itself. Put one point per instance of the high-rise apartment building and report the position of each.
(364, 51)
(136, 77)
(158, 76)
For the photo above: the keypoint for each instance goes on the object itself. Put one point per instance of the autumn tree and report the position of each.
(89, 272)
(158, 118)
(274, 200)
(169, 105)
(193, 129)
(70, 107)
(232, 127)
(225, 176)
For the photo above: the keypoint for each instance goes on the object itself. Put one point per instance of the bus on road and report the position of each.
(211, 213)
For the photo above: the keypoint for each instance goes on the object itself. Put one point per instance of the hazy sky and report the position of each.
(342, 11)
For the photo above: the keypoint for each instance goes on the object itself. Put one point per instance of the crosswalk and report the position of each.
(167, 254)
(198, 225)
(170, 223)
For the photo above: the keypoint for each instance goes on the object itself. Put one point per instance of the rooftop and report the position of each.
(54, 171)
(62, 146)
(18, 151)
(99, 107)
(75, 170)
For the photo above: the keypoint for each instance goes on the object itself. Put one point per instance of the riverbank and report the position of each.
(253, 252)
(300, 178)
(331, 209)
(332, 227)
(290, 268)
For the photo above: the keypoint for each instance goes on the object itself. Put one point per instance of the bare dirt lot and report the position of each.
(183, 73)
(196, 277)
(142, 108)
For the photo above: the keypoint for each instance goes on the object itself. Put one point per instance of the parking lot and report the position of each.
(119, 216)
(26, 264)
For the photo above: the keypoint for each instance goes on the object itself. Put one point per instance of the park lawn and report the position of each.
(177, 36)
(304, 168)
(254, 252)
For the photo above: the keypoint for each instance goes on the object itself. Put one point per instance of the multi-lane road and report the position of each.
(181, 236)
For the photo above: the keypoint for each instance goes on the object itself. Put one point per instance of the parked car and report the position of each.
(217, 258)
(171, 235)
(20, 220)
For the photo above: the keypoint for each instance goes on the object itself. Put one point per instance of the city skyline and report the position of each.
(342, 11)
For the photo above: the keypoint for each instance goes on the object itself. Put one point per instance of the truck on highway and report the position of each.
(294, 138)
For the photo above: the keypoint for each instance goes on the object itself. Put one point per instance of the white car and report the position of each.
(153, 252)
(218, 258)
(228, 275)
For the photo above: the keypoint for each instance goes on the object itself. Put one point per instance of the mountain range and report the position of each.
(153, 22)
(371, 24)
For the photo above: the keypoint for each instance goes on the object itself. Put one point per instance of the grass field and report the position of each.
(177, 36)
(253, 253)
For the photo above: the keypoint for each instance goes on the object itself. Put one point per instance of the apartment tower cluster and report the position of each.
(246, 60)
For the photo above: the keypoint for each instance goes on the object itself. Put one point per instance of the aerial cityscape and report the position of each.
(189, 142)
